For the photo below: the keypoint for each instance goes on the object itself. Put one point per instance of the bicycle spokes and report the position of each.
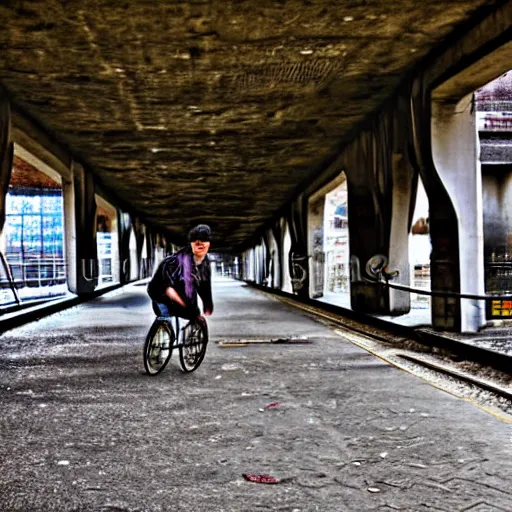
(193, 346)
(160, 341)
(158, 347)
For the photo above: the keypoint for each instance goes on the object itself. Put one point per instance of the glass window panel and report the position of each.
(51, 204)
(13, 203)
(31, 204)
(32, 235)
(36, 221)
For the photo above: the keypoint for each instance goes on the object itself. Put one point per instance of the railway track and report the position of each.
(471, 372)
(471, 379)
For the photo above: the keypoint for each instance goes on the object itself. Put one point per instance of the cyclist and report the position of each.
(181, 277)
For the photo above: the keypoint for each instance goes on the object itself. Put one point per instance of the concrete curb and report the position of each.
(31, 314)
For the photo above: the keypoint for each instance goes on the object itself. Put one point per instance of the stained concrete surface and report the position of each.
(84, 429)
(177, 104)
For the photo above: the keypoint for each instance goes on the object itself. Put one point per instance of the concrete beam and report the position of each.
(35, 141)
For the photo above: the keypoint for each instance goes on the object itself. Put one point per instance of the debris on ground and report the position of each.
(261, 479)
(246, 342)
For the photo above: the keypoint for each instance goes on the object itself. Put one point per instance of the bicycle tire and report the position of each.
(193, 348)
(154, 360)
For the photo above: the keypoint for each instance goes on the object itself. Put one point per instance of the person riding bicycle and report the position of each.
(182, 276)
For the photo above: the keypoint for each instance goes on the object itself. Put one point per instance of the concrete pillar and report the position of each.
(316, 246)
(400, 301)
(365, 235)
(277, 231)
(299, 269)
(455, 153)
(159, 254)
(369, 198)
(268, 258)
(139, 230)
(443, 222)
(252, 264)
(124, 230)
(246, 264)
(144, 256)
(273, 271)
(134, 255)
(263, 263)
(6, 159)
(68, 199)
(285, 258)
(257, 264)
(86, 259)
(6, 153)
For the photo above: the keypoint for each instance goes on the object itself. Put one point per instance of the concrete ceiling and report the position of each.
(217, 110)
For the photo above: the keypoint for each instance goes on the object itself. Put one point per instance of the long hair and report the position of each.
(186, 265)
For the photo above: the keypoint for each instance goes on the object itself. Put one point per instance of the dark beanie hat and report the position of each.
(200, 232)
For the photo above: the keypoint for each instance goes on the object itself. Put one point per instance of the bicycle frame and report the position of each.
(190, 340)
(179, 340)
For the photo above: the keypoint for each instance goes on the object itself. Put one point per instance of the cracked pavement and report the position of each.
(83, 428)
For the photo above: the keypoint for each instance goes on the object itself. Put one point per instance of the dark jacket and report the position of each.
(179, 271)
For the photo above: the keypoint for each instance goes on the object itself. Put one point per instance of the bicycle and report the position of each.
(161, 340)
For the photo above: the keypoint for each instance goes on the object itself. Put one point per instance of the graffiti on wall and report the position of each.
(299, 271)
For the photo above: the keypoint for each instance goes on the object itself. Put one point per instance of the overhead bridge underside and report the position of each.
(211, 111)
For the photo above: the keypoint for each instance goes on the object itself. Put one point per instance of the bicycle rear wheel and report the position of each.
(193, 347)
(158, 346)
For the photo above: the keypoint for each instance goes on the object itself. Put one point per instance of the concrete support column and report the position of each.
(443, 223)
(456, 158)
(316, 246)
(124, 230)
(265, 261)
(252, 264)
(286, 283)
(86, 259)
(278, 270)
(6, 159)
(140, 234)
(245, 265)
(403, 179)
(134, 255)
(365, 236)
(258, 257)
(248, 265)
(6, 153)
(70, 223)
(299, 268)
(273, 259)
(369, 198)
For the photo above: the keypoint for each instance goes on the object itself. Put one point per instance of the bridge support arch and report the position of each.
(456, 159)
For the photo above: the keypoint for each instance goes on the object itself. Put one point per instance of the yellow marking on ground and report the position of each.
(385, 354)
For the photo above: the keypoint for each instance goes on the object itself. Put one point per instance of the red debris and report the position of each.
(273, 404)
(261, 479)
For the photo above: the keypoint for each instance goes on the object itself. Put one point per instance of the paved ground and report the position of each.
(84, 429)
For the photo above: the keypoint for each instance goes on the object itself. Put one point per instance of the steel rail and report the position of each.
(337, 314)
(439, 293)
(471, 379)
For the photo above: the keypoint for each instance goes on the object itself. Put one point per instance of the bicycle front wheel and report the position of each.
(158, 346)
(193, 346)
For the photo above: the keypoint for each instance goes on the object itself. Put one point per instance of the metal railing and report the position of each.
(32, 278)
(37, 271)
(381, 275)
